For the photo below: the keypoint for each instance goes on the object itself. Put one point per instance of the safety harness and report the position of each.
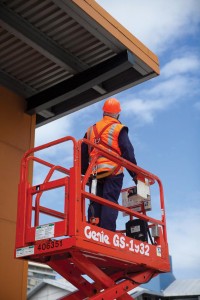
(98, 140)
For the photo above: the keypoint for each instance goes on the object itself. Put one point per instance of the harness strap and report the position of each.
(99, 141)
(98, 137)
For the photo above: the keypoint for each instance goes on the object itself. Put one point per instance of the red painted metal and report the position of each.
(114, 262)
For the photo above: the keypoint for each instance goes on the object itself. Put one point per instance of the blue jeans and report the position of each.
(108, 188)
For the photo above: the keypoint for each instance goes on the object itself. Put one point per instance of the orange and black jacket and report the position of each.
(114, 138)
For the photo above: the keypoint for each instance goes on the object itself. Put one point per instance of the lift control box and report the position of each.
(137, 197)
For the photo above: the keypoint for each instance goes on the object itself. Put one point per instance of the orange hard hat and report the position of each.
(112, 106)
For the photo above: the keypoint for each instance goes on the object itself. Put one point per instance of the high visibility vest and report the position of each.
(105, 134)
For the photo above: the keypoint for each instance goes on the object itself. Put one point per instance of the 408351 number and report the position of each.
(49, 245)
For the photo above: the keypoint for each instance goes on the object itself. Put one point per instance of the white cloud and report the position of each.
(156, 23)
(161, 24)
(172, 87)
(156, 99)
(53, 130)
(178, 82)
(144, 110)
(181, 65)
(183, 230)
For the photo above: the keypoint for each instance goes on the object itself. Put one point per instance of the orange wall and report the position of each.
(16, 136)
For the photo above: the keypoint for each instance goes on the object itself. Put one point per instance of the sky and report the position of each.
(163, 117)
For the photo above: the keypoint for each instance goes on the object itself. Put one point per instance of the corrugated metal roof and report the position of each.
(29, 65)
(44, 43)
(184, 287)
(138, 291)
(178, 288)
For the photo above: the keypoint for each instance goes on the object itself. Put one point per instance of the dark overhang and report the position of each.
(64, 55)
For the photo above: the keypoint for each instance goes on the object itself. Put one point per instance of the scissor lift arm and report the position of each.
(113, 262)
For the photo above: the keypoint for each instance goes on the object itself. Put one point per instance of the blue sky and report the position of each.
(163, 116)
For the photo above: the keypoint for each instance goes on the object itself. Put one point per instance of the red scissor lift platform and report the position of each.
(101, 264)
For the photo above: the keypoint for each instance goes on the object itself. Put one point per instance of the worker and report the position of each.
(109, 134)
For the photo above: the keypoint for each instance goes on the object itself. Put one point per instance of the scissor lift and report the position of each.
(101, 264)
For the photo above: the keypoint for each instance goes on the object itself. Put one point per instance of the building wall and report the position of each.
(37, 272)
(16, 136)
(49, 292)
